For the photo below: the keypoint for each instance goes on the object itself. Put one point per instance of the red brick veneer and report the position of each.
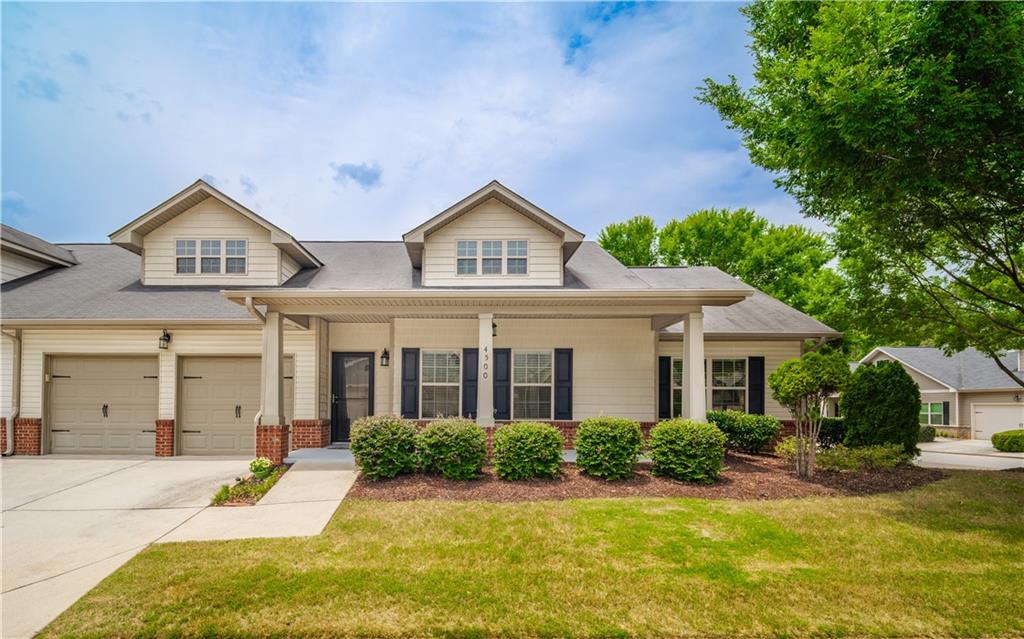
(164, 438)
(28, 436)
(272, 442)
(3, 434)
(310, 433)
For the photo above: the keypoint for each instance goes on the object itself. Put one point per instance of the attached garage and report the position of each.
(219, 399)
(103, 405)
(995, 418)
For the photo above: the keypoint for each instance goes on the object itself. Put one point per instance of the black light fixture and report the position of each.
(494, 329)
(385, 358)
(165, 340)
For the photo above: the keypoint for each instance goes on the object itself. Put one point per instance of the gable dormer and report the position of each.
(492, 238)
(201, 237)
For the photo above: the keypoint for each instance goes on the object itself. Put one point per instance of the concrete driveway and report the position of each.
(69, 521)
(975, 454)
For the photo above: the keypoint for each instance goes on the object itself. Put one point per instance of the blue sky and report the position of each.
(356, 121)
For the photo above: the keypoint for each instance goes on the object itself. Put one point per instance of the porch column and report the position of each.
(484, 384)
(272, 431)
(694, 402)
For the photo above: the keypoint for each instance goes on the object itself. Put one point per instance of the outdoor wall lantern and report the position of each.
(165, 340)
(385, 358)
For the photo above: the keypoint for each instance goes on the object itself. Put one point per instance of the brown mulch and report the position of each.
(746, 477)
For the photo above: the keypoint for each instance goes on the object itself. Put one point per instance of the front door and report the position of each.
(351, 391)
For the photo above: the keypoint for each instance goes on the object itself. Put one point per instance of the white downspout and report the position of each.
(15, 390)
(249, 306)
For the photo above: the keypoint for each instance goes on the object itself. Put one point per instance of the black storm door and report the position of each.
(351, 391)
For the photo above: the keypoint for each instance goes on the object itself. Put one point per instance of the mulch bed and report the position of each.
(746, 477)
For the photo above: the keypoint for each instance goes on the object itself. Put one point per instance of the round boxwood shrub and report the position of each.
(881, 405)
(526, 450)
(607, 447)
(1009, 441)
(744, 431)
(926, 434)
(384, 446)
(455, 448)
(688, 450)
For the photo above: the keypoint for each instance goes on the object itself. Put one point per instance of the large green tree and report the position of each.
(901, 125)
(631, 242)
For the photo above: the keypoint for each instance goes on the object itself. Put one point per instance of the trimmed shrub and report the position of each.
(841, 457)
(786, 448)
(526, 450)
(743, 431)
(1009, 441)
(881, 405)
(455, 448)
(688, 450)
(607, 447)
(384, 446)
(832, 433)
(926, 434)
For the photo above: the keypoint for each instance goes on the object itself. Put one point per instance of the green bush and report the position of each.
(453, 447)
(881, 405)
(786, 448)
(926, 434)
(841, 457)
(607, 447)
(261, 467)
(743, 431)
(384, 446)
(1009, 441)
(832, 433)
(526, 450)
(688, 450)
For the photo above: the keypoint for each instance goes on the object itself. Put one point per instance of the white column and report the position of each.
(273, 370)
(694, 402)
(484, 383)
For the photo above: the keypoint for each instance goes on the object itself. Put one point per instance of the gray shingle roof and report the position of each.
(33, 243)
(967, 370)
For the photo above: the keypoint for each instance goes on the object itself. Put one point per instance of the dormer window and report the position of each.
(185, 256)
(215, 257)
(517, 257)
(210, 256)
(491, 257)
(234, 263)
(496, 257)
(466, 252)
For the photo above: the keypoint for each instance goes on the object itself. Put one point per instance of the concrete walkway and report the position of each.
(975, 454)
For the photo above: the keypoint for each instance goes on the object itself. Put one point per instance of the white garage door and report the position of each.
(220, 397)
(103, 404)
(995, 418)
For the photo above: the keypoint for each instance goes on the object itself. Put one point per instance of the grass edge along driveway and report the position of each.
(941, 560)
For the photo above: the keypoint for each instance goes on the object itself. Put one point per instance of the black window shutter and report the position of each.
(945, 413)
(503, 383)
(755, 385)
(563, 383)
(411, 383)
(664, 387)
(470, 367)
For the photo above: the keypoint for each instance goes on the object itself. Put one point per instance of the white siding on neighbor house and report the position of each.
(774, 353)
(13, 266)
(614, 365)
(366, 338)
(38, 343)
(924, 382)
(289, 266)
(6, 364)
(211, 219)
(492, 220)
(968, 399)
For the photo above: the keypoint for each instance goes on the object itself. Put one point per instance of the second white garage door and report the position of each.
(220, 397)
(996, 418)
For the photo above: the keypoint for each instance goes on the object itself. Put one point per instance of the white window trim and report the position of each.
(456, 351)
(194, 256)
(223, 256)
(512, 387)
(708, 389)
(517, 257)
(224, 264)
(480, 257)
(930, 413)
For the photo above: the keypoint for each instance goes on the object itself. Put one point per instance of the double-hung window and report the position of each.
(185, 256)
(931, 413)
(441, 375)
(491, 251)
(532, 374)
(235, 252)
(209, 256)
(491, 257)
(465, 251)
(517, 257)
(729, 384)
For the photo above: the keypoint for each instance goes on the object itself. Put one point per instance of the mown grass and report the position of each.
(943, 560)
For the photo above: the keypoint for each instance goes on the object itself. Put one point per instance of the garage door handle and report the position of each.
(104, 410)
(149, 431)
(191, 431)
(238, 411)
(60, 430)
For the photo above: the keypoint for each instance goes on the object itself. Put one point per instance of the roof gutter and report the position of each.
(707, 296)
(15, 390)
(249, 306)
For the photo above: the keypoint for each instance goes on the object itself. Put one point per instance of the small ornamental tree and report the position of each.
(882, 405)
(802, 385)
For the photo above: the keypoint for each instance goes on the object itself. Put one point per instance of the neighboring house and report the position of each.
(201, 318)
(965, 393)
(22, 254)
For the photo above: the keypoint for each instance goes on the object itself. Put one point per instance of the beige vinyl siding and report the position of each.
(924, 382)
(968, 398)
(37, 343)
(289, 266)
(492, 220)
(774, 353)
(614, 370)
(211, 219)
(366, 338)
(13, 266)
(6, 371)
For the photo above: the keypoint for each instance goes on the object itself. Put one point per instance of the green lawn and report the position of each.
(943, 560)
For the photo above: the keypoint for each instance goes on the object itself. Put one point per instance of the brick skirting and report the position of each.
(164, 438)
(28, 436)
(310, 433)
(272, 442)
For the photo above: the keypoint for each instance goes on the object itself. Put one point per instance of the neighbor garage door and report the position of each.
(995, 418)
(103, 404)
(220, 397)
